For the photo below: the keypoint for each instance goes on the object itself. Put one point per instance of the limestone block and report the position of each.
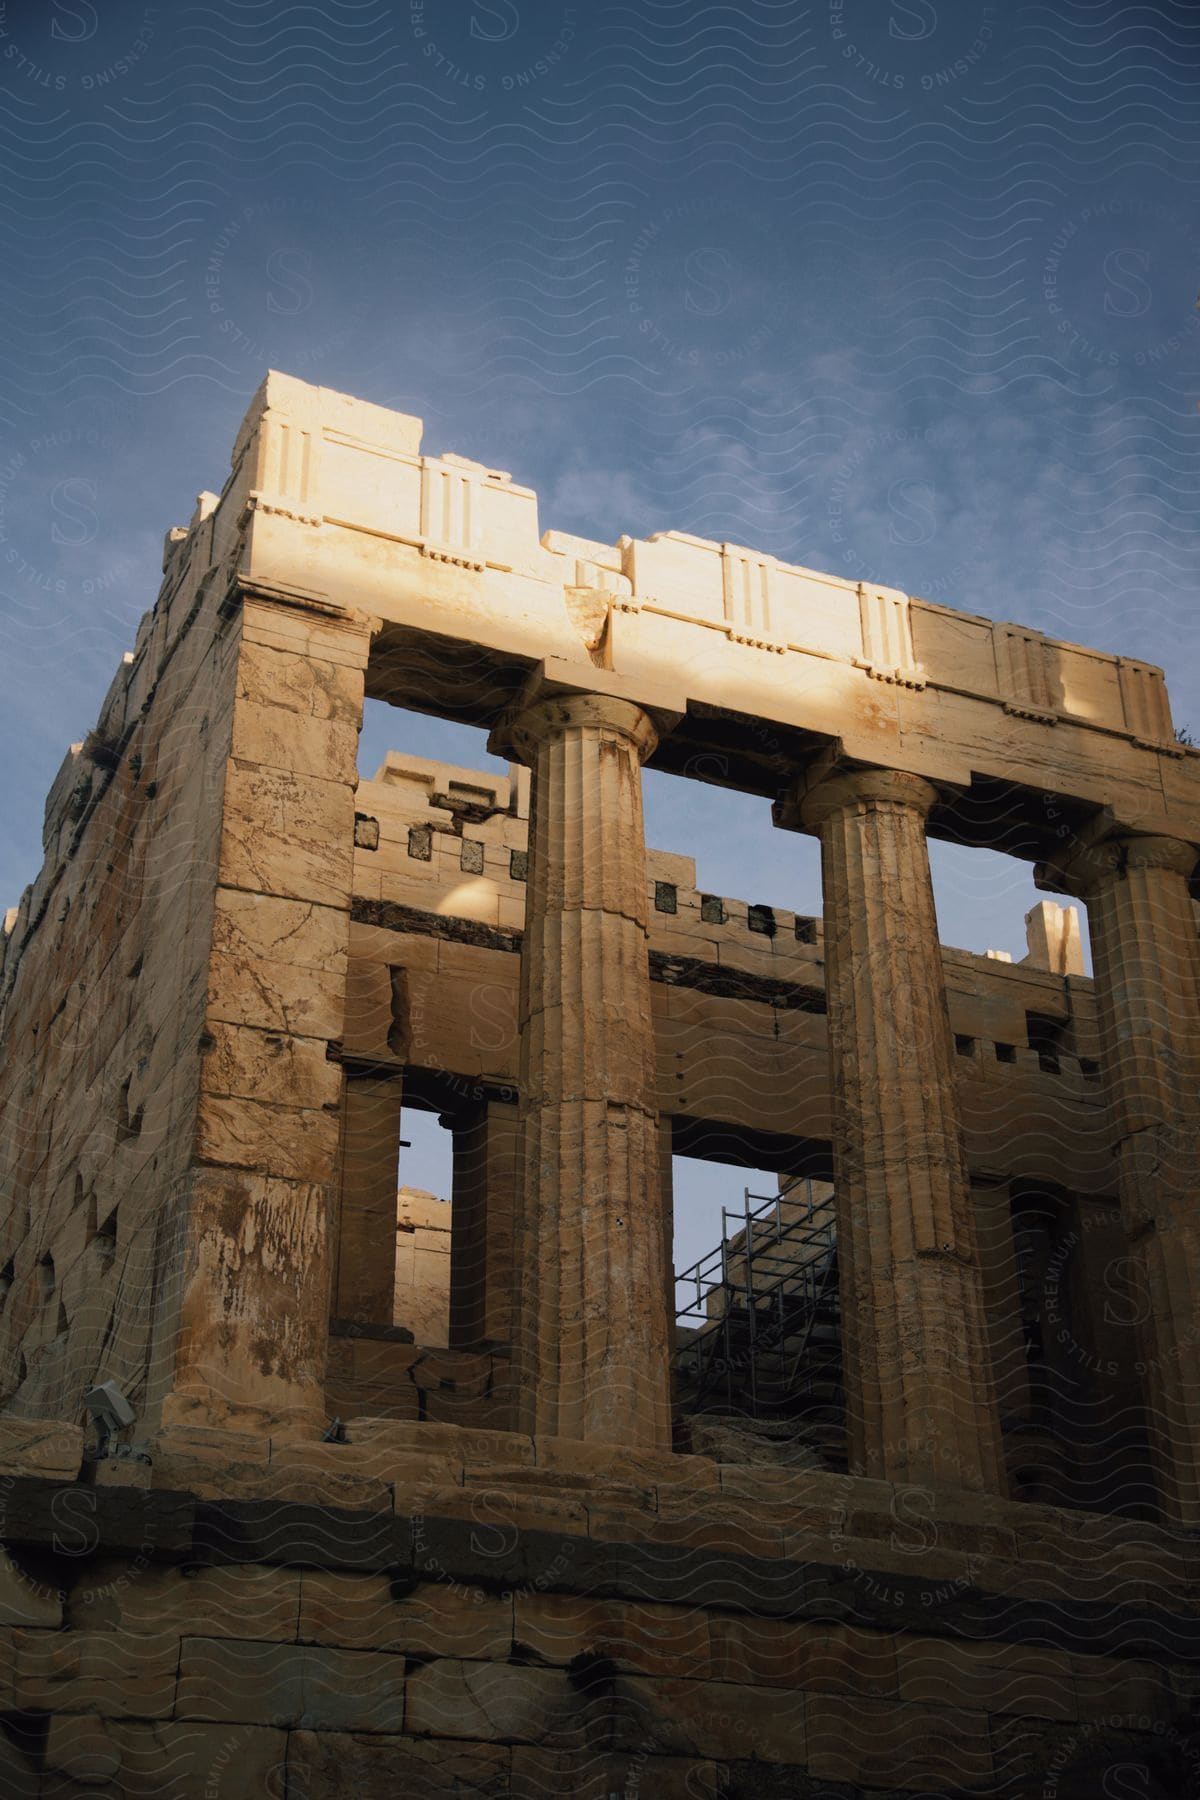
(464, 1025)
(367, 883)
(302, 1459)
(298, 680)
(26, 1598)
(273, 737)
(122, 1472)
(329, 1765)
(1054, 939)
(664, 865)
(96, 1671)
(196, 1761)
(505, 1512)
(242, 1289)
(296, 1480)
(436, 1619)
(915, 1522)
(1105, 1687)
(675, 936)
(570, 1482)
(290, 1684)
(594, 1774)
(990, 1678)
(644, 1639)
(279, 965)
(378, 944)
(488, 1700)
(287, 837)
(426, 1437)
(378, 1361)
(510, 913)
(942, 1574)
(881, 1744)
(269, 1067)
(235, 1132)
(609, 1461)
(823, 1657)
(83, 1749)
(237, 1601)
(469, 896)
(701, 1523)
(709, 1718)
(1034, 1754)
(346, 1396)
(220, 1447)
(46, 1447)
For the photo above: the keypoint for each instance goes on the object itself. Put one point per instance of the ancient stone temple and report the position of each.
(307, 1492)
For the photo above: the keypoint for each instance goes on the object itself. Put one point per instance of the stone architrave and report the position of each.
(1146, 959)
(591, 1329)
(919, 1381)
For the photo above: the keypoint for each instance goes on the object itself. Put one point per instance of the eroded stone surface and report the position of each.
(241, 963)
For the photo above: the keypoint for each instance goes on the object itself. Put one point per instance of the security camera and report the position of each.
(110, 1409)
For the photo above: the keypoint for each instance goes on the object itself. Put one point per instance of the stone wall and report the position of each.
(431, 1611)
(422, 1298)
(105, 990)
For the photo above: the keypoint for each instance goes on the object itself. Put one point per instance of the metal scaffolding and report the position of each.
(758, 1333)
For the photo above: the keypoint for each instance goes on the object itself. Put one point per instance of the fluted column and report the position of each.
(590, 1325)
(1146, 962)
(919, 1382)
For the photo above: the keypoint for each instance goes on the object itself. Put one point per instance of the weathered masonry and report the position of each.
(510, 1573)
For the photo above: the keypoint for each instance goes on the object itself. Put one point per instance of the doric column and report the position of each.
(919, 1384)
(590, 1322)
(1146, 962)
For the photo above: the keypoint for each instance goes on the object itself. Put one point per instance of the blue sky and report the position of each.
(888, 287)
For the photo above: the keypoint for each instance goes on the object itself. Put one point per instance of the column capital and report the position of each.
(820, 794)
(558, 695)
(1082, 868)
(541, 718)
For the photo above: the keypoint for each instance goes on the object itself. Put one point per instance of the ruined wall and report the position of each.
(175, 983)
(171, 983)
(105, 987)
(464, 1615)
(415, 1602)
